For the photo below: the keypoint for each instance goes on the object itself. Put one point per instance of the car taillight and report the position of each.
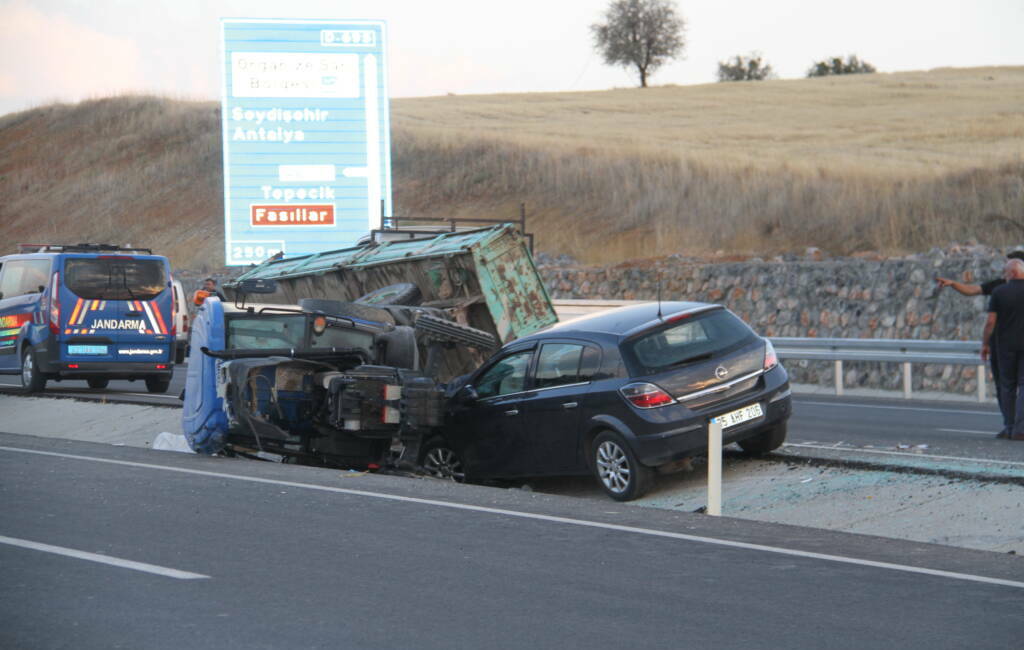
(184, 323)
(770, 358)
(646, 395)
(55, 304)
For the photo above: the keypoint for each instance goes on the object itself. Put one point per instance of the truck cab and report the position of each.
(317, 382)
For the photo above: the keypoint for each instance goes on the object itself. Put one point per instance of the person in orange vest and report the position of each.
(209, 289)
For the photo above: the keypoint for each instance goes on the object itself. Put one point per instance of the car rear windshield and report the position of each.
(99, 278)
(689, 340)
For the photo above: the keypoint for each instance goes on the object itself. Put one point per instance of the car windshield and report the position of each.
(266, 331)
(115, 278)
(692, 339)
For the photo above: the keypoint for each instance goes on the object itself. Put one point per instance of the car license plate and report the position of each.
(739, 416)
(87, 349)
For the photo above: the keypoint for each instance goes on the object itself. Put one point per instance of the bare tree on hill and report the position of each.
(640, 34)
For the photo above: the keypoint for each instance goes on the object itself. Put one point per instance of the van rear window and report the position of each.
(115, 279)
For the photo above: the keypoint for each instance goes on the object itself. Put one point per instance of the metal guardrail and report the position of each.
(903, 351)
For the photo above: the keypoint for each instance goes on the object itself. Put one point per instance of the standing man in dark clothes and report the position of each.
(985, 289)
(1006, 321)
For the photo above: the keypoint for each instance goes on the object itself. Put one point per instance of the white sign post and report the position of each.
(715, 467)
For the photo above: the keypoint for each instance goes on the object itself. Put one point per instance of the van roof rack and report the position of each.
(81, 248)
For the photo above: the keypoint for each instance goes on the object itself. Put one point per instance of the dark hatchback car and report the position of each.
(618, 394)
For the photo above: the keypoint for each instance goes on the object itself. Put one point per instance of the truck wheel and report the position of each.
(97, 383)
(768, 440)
(347, 310)
(32, 379)
(403, 293)
(618, 471)
(441, 461)
(158, 384)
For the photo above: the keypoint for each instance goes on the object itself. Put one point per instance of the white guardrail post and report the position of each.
(839, 376)
(981, 382)
(908, 383)
(715, 467)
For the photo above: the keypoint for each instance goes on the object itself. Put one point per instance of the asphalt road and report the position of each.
(116, 391)
(290, 557)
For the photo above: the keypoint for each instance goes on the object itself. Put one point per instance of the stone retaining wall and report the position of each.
(842, 298)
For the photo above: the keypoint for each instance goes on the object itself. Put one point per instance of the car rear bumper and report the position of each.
(667, 446)
(107, 370)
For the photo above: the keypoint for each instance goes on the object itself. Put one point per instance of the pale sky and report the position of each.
(69, 50)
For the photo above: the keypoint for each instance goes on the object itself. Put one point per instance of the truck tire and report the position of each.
(347, 310)
(450, 331)
(97, 383)
(403, 293)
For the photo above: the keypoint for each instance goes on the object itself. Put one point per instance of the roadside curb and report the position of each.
(962, 469)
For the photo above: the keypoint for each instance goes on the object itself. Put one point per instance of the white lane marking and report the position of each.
(971, 431)
(102, 559)
(561, 520)
(896, 408)
(987, 461)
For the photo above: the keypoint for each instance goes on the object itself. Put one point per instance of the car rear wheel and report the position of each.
(441, 461)
(32, 379)
(618, 471)
(768, 440)
(97, 383)
(158, 384)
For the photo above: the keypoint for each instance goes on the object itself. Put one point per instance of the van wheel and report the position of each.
(97, 383)
(32, 379)
(618, 471)
(158, 384)
(768, 440)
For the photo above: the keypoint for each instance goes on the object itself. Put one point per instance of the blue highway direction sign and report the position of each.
(307, 162)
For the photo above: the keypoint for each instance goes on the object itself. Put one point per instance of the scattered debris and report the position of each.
(166, 441)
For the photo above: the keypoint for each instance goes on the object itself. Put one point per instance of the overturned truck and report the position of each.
(343, 360)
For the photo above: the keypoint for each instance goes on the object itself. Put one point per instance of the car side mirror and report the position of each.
(467, 394)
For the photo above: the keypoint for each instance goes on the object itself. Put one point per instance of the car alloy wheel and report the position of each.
(621, 475)
(441, 462)
(613, 467)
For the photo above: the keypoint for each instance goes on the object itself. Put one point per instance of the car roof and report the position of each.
(620, 322)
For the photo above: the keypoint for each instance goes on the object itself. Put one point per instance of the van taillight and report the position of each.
(55, 304)
(184, 323)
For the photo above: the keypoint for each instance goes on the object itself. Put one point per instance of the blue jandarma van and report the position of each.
(91, 312)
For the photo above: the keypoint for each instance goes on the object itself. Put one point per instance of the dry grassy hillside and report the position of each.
(890, 162)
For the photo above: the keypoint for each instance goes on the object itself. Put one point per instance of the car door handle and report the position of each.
(570, 405)
(512, 412)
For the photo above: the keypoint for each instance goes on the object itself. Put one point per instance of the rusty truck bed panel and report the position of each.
(486, 275)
